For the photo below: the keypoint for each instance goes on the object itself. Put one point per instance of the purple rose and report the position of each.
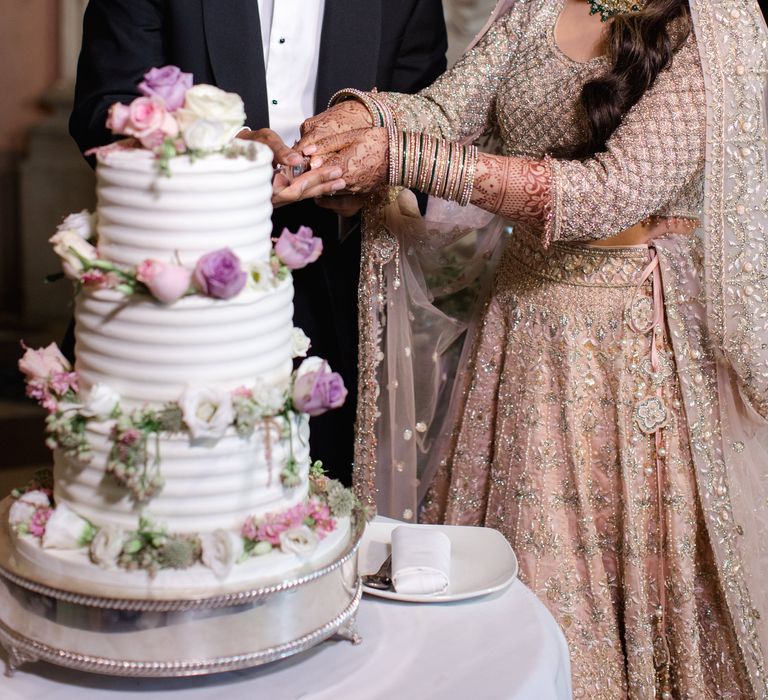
(167, 83)
(317, 389)
(297, 250)
(219, 274)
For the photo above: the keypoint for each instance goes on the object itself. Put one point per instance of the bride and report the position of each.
(609, 410)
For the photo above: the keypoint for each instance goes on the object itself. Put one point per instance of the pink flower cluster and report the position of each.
(312, 513)
(39, 520)
(49, 375)
(149, 118)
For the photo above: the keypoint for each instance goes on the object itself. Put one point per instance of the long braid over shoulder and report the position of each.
(640, 45)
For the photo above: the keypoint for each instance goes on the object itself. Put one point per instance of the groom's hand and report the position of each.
(283, 154)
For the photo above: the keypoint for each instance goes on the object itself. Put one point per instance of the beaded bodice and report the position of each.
(517, 83)
(536, 110)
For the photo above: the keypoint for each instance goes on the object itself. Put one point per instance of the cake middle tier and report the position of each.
(150, 353)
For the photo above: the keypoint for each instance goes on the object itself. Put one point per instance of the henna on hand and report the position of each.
(344, 116)
(363, 157)
(516, 188)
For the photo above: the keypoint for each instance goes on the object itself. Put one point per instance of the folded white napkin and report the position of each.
(421, 560)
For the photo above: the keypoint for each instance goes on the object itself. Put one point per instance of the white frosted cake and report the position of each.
(180, 437)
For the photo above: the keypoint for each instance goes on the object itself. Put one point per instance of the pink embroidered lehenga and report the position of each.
(608, 411)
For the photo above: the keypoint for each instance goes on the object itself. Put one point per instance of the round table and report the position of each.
(496, 647)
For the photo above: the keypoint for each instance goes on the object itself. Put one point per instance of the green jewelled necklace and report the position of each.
(608, 8)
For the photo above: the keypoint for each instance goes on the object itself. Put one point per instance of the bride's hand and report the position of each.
(345, 116)
(362, 155)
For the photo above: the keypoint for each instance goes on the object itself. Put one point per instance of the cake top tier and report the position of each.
(218, 201)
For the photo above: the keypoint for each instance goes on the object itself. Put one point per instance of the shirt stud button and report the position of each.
(274, 102)
(282, 39)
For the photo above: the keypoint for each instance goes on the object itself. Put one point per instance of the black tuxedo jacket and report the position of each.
(396, 45)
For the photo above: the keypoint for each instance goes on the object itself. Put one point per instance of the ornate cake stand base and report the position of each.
(173, 638)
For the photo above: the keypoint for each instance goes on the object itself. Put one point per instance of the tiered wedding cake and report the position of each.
(180, 437)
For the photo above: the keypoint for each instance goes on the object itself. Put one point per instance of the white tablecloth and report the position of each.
(498, 647)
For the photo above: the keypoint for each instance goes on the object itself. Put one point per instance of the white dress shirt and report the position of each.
(290, 34)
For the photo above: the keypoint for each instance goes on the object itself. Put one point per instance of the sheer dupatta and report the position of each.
(716, 299)
(420, 305)
(422, 280)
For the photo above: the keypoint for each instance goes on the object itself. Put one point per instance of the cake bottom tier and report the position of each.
(72, 570)
(207, 484)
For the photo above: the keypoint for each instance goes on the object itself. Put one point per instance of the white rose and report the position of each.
(206, 135)
(270, 398)
(83, 223)
(66, 529)
(299, 540)
(24, 507)
(101, 401)
(70, 247)
(299, 343)
(207, 412)
(107, 546)
(220, 550)
(210, 117)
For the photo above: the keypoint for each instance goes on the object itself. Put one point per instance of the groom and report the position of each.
(285, 58)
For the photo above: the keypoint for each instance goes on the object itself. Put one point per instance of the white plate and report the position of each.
(482, 561)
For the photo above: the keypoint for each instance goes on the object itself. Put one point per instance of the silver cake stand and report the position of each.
(176, 638)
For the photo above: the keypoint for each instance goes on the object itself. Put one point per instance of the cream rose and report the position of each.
(71, 248)
(210, 117)
(220, 550)
(66, 530)
(83, 223)
(207, 412)
(299, 343)
(107, 546)
(270, 398)
(101, 401)
(299, 540)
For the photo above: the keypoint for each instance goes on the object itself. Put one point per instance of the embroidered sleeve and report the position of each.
(460, 102)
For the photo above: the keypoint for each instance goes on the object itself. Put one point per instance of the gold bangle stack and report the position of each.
(432, 165)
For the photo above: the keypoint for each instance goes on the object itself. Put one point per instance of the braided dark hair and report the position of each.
(640, 45)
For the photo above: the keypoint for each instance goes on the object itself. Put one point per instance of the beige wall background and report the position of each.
(29, 45)
(42, 176)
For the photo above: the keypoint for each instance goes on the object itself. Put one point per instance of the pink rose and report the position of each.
(317, 389)
(167, 283)
(146, 118)
(117, 119)
(43, 362)
(297, 250)
(168, 84)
